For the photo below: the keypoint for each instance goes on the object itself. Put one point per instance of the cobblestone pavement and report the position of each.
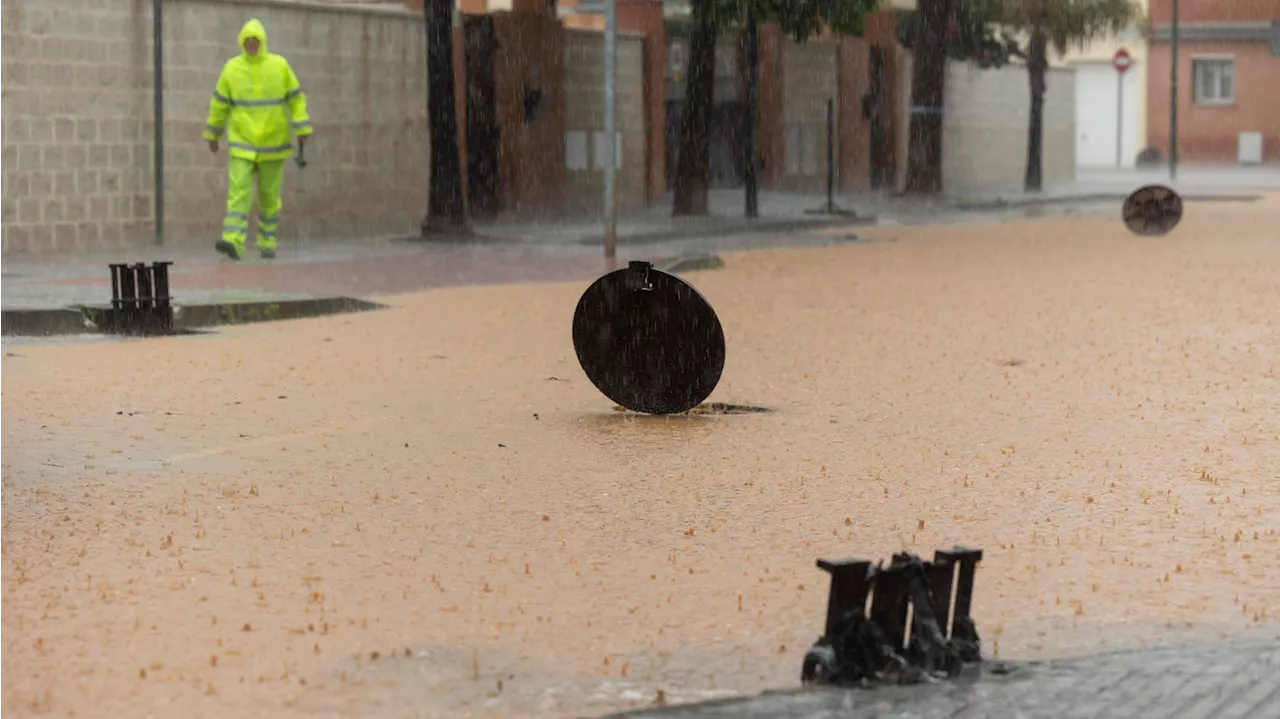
(1239, 680)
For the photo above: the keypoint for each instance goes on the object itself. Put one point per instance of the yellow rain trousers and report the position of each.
(257, 102)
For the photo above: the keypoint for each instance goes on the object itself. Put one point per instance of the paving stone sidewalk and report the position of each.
(1238, 680)
(355, 270)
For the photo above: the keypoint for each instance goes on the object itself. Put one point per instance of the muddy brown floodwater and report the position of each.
(429, 511)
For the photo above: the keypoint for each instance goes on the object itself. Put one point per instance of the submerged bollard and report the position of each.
(867, 636)
(140, 301)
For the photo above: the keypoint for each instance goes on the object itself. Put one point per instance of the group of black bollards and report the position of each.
(905, 623)
(140, 302)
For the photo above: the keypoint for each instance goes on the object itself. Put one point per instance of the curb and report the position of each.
(797, 225)
(1003, 204)
(35, 323)
(692, 263)
(239, 313)
(85, 319)
(479, 237)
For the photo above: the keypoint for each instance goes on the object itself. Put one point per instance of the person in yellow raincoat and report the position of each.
(257, 102)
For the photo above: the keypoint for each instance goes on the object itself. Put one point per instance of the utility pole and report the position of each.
(1173, 95)
(611, 134)
(157, 60)
(752, 40)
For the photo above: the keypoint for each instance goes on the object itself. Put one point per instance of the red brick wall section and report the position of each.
(772, 145)
(1207, 133)
(855, 133)
(530, 156)
(544, 8)
(645, 16)
(881, 30)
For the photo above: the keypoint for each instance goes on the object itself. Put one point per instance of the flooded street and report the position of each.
(429, 510)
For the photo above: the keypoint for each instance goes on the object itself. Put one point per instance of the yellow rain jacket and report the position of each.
(257, 101)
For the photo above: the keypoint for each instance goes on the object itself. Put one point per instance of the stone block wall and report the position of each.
(810, 79)
(984, 130)
(584, 121)
(984, 136)
(78, 120)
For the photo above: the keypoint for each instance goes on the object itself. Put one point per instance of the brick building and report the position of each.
(1228, 80)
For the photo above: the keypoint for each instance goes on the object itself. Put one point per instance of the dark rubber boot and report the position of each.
(227, 249)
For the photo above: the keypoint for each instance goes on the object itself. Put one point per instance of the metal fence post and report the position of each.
(157, 17)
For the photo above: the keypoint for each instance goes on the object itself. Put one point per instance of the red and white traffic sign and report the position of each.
(1122, 61)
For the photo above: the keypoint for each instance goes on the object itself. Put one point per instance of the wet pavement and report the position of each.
(1237, 680)
(368, 269)
(428, 510)
(537, 251)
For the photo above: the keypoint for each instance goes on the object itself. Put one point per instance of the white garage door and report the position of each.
(1096, 120)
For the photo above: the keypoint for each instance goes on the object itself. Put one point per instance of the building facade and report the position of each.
(1228, 93)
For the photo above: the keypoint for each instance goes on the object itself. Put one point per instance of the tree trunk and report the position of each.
(445, 207)
(1037, 66)
(928, 81)
(751, 51)
(693, 167)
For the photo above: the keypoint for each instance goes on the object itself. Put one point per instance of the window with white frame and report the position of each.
(1215, 80)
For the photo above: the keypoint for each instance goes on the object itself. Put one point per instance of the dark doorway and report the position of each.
(728, 123)
(728, 138)
(482, 129)
(674, 108)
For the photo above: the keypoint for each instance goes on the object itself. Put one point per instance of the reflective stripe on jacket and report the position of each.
(257, 102)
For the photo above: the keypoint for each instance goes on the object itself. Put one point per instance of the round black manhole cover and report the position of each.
(648, 340)
(1152, 210)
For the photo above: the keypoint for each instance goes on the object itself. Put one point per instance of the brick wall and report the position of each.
(584, 121)
(984, 133)
(1211, 133)
(77, 120)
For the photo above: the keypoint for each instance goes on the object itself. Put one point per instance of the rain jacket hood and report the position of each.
(255, 29)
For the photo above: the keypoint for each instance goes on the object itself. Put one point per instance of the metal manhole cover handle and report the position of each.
(638, 276)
